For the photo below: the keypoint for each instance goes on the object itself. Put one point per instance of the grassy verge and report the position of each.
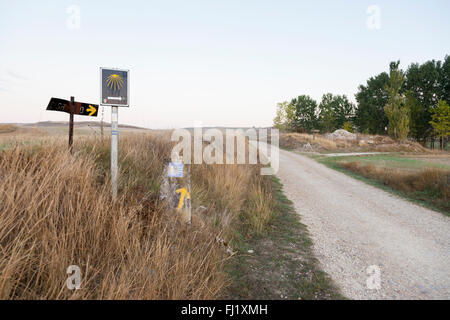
(428, 187)
(392, 161)
(56, 211)
(280, 263)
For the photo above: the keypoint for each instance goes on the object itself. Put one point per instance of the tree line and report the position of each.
(411, 103)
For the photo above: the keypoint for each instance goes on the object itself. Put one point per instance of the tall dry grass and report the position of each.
(429, 184)
(7, 128)
(241, 195)
(56, 211)
(297, 140)
(320, 143)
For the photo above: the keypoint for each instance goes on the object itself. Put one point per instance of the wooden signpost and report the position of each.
(79, 108)
(72, 108)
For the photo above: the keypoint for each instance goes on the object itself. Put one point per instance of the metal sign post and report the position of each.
(72, 111)
(114, 149)
(114, 92)
(101, 123)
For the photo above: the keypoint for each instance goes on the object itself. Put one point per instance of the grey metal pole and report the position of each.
(114, 149)
(101, 123)
(188, 187)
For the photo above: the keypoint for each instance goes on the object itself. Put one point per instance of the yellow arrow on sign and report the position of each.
(91, 109)
(183, 192)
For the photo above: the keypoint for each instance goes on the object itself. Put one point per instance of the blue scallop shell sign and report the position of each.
(114, 84)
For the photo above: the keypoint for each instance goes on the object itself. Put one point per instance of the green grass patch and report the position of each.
(393, 161)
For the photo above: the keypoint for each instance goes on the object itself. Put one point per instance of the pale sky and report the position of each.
(221, 63)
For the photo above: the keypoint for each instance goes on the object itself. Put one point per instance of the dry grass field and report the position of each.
(56, 211)
(7, 128)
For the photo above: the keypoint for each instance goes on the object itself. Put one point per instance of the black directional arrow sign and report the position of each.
(82, 109)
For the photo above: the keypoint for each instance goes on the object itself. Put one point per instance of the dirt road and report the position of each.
(355, 226)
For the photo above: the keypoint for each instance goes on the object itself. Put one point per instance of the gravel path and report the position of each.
(354, 225)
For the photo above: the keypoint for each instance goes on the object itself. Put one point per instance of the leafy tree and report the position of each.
(371, 99)
(335, 110)
(343, 110)
(415, 111)
(326, 116)
(284, 119)
(280, 116)
(445, 79)
(440, 116)
(396, 109)
(305, 113)
(424, 84)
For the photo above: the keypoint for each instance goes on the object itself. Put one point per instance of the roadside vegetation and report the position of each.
(323, 143)
(423, 180)
(278, 263)
(56, 211)
(411, 105)
(400, 111)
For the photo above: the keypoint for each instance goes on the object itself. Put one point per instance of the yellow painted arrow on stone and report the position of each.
(183, 192)
(91, 109)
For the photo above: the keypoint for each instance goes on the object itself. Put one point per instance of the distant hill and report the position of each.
(76, 124)
(108, 125)
(232, 128)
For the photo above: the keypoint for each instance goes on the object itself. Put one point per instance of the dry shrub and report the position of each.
(56, 211)
(361, 143)
(403, 146)
(345, 144)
